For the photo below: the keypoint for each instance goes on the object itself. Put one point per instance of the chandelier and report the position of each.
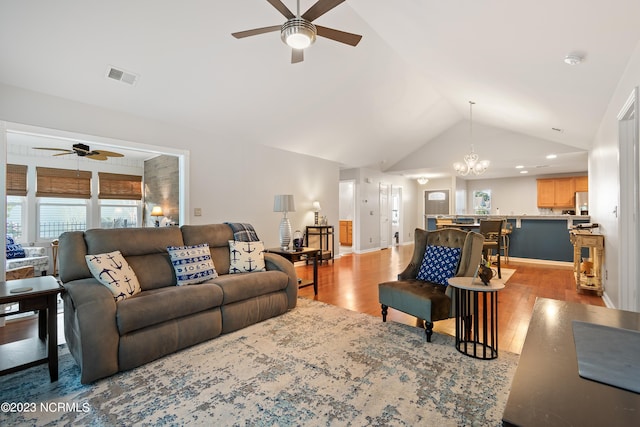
(472, 163)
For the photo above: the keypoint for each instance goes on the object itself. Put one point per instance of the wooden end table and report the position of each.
(33, 294)
(295, 255)
(476, 330)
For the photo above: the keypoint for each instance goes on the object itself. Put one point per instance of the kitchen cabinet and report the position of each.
(346, 233)
(556, 192)
(582, 183)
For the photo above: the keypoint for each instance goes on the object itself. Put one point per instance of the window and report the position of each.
(15, 216)
(57, 215)
(119, 213)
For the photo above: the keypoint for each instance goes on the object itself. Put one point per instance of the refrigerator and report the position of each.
(582, 203)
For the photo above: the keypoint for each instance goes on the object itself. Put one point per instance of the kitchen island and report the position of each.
(544, 237)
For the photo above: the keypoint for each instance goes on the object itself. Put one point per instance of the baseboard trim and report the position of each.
(542, 261)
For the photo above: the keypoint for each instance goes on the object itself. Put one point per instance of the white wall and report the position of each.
(604, 182)
(229, 180)
(367, 209)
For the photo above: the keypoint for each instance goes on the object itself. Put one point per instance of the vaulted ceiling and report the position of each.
(398, 101)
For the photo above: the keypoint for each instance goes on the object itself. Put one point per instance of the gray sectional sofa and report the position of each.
(106, 337)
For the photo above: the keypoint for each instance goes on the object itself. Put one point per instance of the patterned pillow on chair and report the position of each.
(439, 264)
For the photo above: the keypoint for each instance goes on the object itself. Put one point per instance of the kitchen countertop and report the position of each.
(522, 216)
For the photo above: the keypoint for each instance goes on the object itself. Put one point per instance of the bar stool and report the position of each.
(506, 231)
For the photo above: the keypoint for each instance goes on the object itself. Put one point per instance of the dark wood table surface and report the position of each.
(295, 255)
(42, 297)
(547, 389)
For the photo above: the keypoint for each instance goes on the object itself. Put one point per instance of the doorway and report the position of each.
(436, 202)
(346, 206)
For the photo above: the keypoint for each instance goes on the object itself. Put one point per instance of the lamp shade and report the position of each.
(316, 206)
(283, 203)
(157, 211)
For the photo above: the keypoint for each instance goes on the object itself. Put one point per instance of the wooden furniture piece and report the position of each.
(20, 273)
(346, 232)
(321, 237)
(41, 294)
(296, 255)
(476, 314)
(547, 389)
(591, 278)
(54, 253)
(560, 192)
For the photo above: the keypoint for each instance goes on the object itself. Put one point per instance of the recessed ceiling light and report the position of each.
(552, 156)
(524, 171)
(520, 167)
(573, 59)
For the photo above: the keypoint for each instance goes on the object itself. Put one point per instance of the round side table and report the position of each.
(476, 314)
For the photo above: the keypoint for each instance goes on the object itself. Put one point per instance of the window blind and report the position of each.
(119, 186)
(16, 180)
(68, 183)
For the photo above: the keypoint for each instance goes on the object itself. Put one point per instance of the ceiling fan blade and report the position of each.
(256, 31)
(339, 36)
(297, 55)
(64, 154)
(54, 149)
(96, 157)
(103, 153)
(320, 8)
(282, 8)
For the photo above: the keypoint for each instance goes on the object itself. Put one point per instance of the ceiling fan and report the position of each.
(82, 150)
(299, 32)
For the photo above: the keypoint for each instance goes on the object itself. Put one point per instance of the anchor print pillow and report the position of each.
(246, 257)
(113, 271)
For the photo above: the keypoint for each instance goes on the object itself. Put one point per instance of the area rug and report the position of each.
(317, 365)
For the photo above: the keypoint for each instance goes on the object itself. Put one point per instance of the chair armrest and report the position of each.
(280, 263)
(410, 272)
(90, 328)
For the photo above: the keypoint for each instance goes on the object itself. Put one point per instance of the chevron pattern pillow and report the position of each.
(246, 257)
(113, 271)
(439, 264)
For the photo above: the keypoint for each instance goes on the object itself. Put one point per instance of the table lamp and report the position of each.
(284, 203)
(157, 212)
(317, 209)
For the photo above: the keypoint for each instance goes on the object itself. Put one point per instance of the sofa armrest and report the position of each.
(34, 251)
(90, 328)
(277, 262)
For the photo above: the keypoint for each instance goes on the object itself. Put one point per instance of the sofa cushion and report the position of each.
(241, 286)
(192, 264)
(439, 264)
(156, 306)
(217, 236)
(113, 271)
(246, 257)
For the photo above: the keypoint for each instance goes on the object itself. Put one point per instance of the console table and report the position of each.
(590, 280)
(33, 294)
(321, 237)
(547, 389)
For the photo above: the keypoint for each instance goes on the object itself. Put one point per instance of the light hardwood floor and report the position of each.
(351, 282)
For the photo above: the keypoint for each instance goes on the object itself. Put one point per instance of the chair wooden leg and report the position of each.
(428, 329)
(384, 312)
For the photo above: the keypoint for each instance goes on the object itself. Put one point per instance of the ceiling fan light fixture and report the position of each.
(298, 33)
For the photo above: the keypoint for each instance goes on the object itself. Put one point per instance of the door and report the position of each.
(384, 215)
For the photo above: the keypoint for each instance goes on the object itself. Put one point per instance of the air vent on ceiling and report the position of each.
(122, 76)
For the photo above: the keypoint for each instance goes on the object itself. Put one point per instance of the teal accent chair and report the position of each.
(427, 301)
